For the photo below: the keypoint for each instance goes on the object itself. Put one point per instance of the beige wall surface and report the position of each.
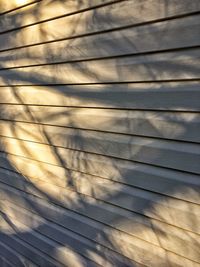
(99, 133)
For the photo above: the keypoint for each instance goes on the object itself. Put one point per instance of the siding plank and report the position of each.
(5, 263)
(155, 67)
(164, 181)
(156, 206)
(62, 255)
(15, 259)
(101, 19)
(140, 149)
(43, 10)
(152, 37)
(99, 122)
(9, 6)
(147, 259)
(161, 96)
(14, 242)
(68, 241)
(170, 125)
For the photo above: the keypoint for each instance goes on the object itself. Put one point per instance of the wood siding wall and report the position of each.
(99, 133)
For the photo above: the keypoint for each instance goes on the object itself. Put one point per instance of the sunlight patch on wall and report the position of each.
(21, 2)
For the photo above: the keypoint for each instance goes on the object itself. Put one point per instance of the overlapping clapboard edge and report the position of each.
(116, 42)
(64, 220)
(22, 253)
(152, 151)
(172, 125)
(121, 14)
(136, 199)
(70, 8)
(189, 72)
(4, 261)
(12, 257)
(179, 65)
(169, 182)
(15, 7)
(42, 11)
(65, 246)
(180, 95)
(32, 241)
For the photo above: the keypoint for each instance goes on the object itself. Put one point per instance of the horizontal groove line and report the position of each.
(106, 156)
(15, 252)
(96, 153)
(95, 107)
(59, 242)
(101, 32)
(105, 58)
(19, 7)
(115, 251)
(104, 83)
(3, 259)
(62, 16)
(72, 231)
(129, 186)
(6, 260)
(79, 171)
(104, 178)
(99, 200)
(96, 131)
(17, 239)
(76, 212)
(47, 257)
(45, 253)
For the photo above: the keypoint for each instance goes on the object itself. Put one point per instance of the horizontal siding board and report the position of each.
(13, 257)
(140, 243)
(141, 149)
(46, 10)
(157, 96)
(128, 251)
(155, 206)
(13, 236)
(87, 179)
(23, 248)
(27, 214)
(170, 125)
(5, 263)
(28, 251)
(154, 67)
(7, 6)
(67, 240)
(59, 253)
(73, 220)
(153, 37)
(168, 182)
(108, 17)
(43, 10)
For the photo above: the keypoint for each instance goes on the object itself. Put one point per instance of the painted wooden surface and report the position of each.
(99, 133)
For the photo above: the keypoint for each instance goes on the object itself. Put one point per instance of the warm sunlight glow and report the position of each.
(21, 2)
